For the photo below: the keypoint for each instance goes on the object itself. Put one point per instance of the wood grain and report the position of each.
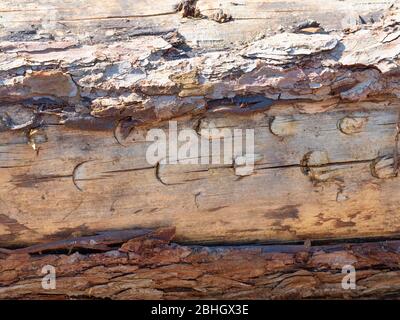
(76, 106)
(83, 180)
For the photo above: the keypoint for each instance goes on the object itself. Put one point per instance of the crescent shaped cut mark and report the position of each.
(157, 169)
(115, 134)
(197, 126)
(158, 177)
(124, 136)
(74, 173)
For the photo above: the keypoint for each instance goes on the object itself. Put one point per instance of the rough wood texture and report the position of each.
(99, 21)
(75, 110)
(152, 267)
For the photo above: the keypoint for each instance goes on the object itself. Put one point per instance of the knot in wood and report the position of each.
(351, 125)
(383, 167)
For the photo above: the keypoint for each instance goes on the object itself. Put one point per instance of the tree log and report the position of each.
(83, 86)
(75, 114)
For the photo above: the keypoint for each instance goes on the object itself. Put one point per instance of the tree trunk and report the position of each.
(83, 86)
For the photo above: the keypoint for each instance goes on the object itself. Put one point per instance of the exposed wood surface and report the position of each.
(152, 267)
(74, 117)
(81, 181)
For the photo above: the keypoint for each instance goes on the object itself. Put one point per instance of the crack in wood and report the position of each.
(101, 241)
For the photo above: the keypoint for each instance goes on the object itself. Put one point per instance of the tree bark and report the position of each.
(152, 267)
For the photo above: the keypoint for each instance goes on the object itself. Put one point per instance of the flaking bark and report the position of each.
(153, 267)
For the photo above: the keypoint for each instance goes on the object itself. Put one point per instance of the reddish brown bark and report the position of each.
(152, 267)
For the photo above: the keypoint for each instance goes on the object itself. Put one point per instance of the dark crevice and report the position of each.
(279, 245)
(337, 163)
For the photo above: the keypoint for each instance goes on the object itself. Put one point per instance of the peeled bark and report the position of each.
(81, 86)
